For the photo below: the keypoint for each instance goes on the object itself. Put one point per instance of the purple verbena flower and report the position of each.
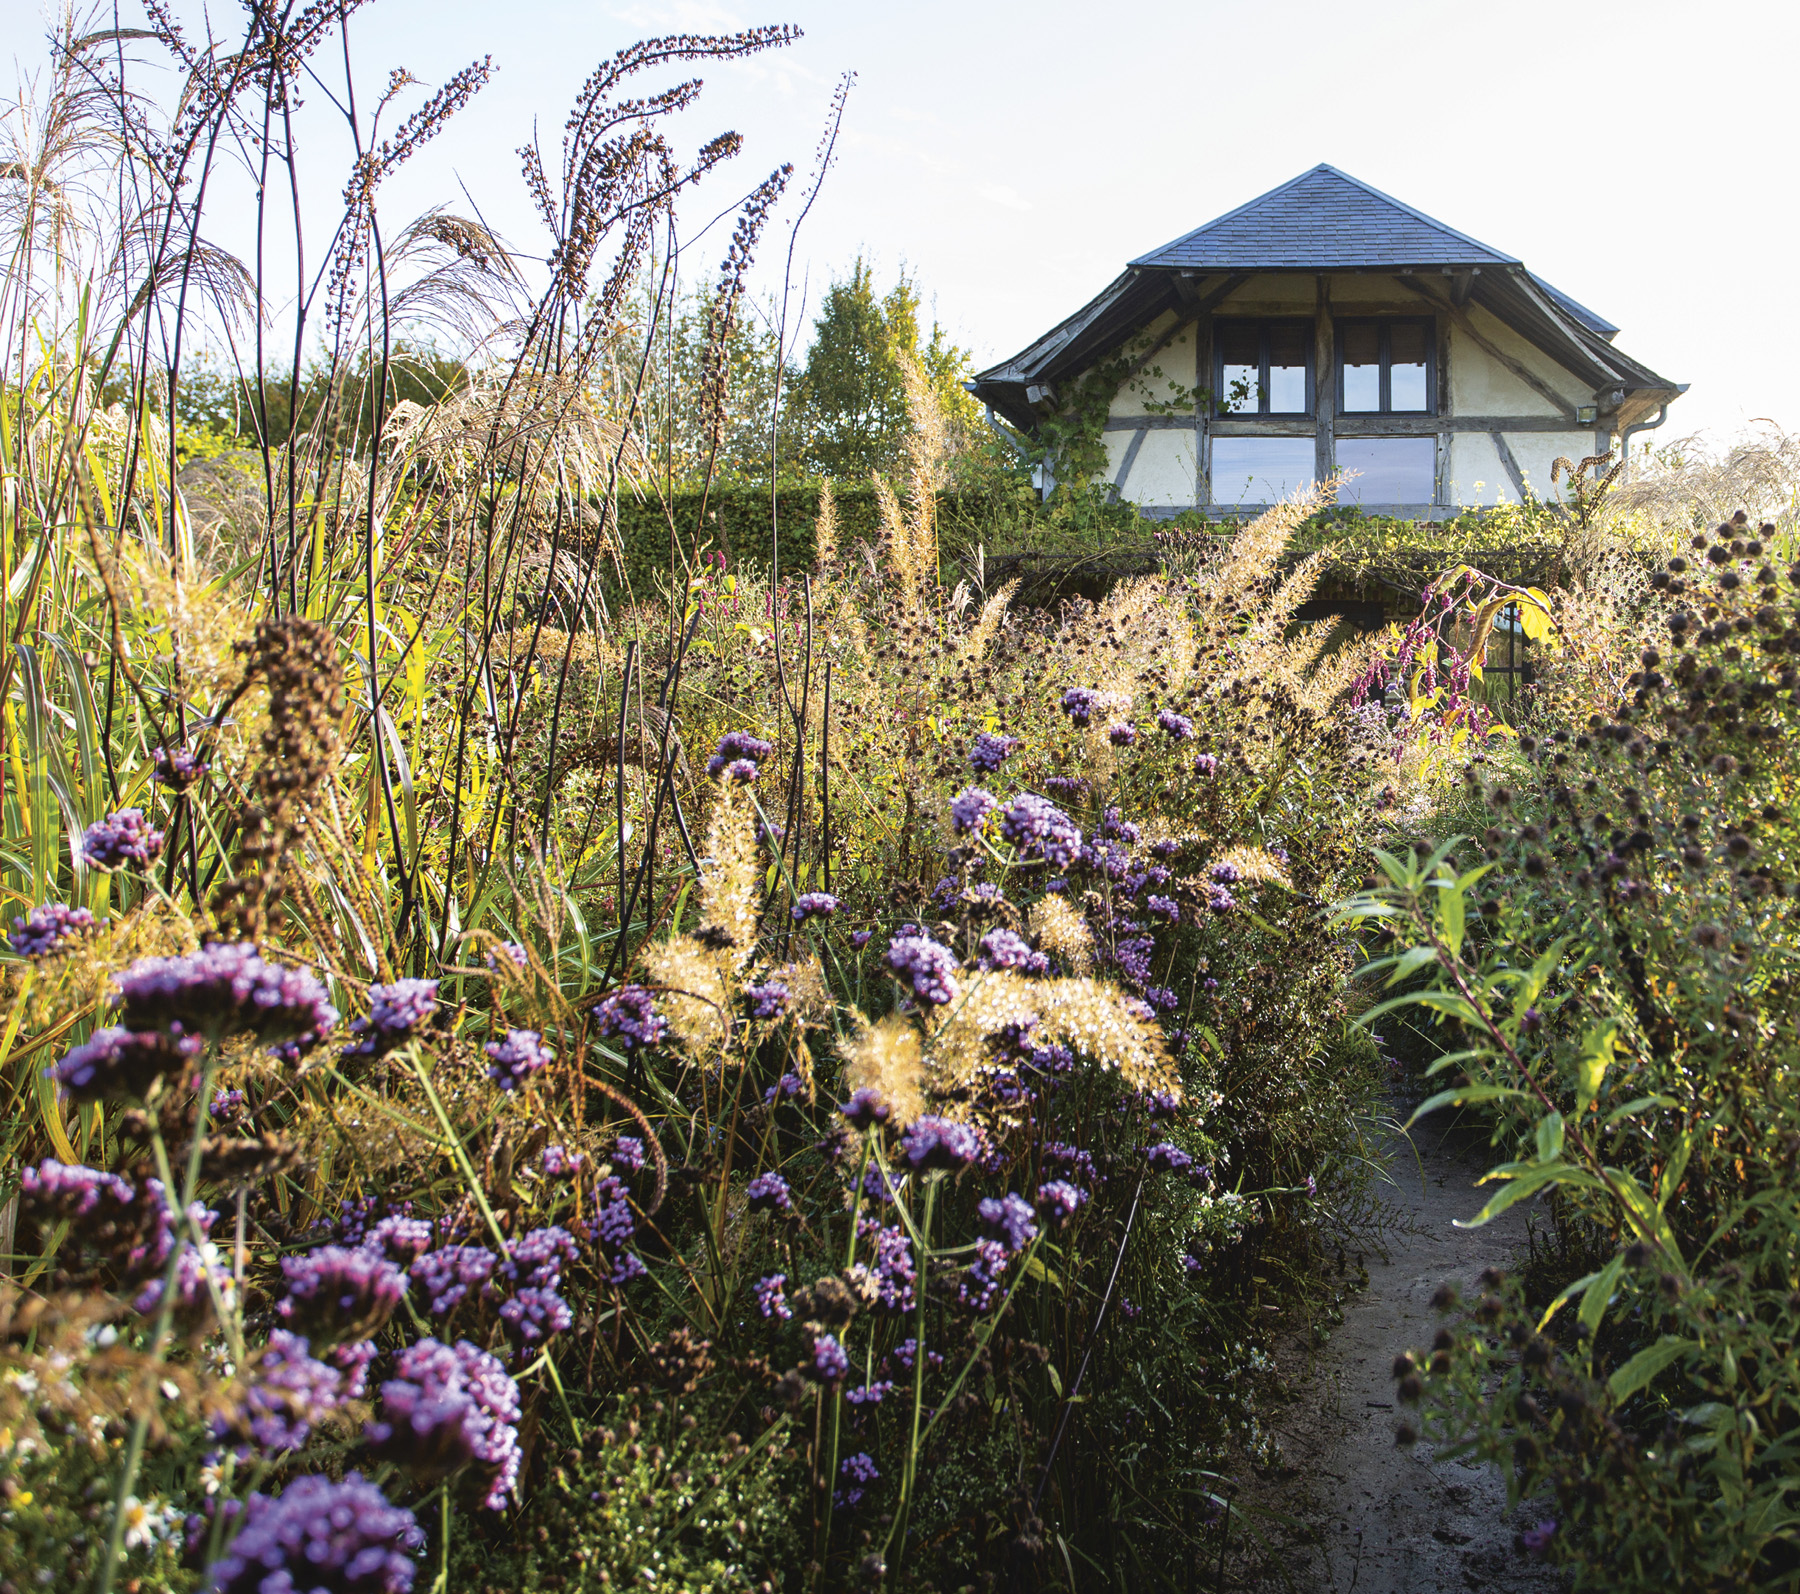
(860, 938)
(449, 1408)
(1178, 726)
(814, 905)
(865, 1107)
(830, 1361)
(288, 1389)
(769, 1000)
(514, 1060)
(558, 1160)
(335, 1293)
(861, 1471)
(768, 1192)
(1058, 1201)
(1038, 828)
(1205, 764)
(1162, 907)
(121, 840)
(924, 967)
(1009, 1218)
(1225, 874)
(1078, 704)
(448, 1275)
(628, 1016)
(535, 1314)
(539, 1257)
(985, 1277)
(227, 990)
(120, 1064)
(1005, 949)
(175, 768)
(628, 1153)
(990, 752)
(895, 1268)
(50, 929)
(736, 748)
(1121, 734)
(402, 1240)
(740, 772)
(1219, 900)
(1535, 1542)
(343, 1538)
(941, 1143)
(397, 1012)
(771, 1297)
(507, 954)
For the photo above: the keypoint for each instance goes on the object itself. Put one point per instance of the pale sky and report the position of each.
(1014, 156)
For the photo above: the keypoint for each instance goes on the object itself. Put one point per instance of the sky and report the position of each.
(1013, 156)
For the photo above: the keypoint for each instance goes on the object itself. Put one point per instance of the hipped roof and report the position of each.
(1324, 221)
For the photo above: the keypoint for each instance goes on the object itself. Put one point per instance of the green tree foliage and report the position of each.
(850, 398)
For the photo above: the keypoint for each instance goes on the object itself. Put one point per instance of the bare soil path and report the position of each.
(1382, 1519)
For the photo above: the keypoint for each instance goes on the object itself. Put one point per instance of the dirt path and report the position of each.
(1384, 1520)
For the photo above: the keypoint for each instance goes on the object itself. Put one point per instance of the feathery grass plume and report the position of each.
(902, 550)
(728, 881)
(809, 998)
(924, 465)
(1059, 929)
(825, 529)
(1252, 863)
(1091, 1017)
(693, 993)
(888, 1057)
(973, 647)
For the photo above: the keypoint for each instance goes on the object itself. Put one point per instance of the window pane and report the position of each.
(1390, 470)
(1240, 347)
(1362, 368)
(1409, 390)
(1260, 470)
(1287, 368)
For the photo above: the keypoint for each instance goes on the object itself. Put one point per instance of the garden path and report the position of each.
(1386, 1520)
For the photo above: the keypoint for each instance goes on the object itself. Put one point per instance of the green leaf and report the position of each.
(1461, 1096)
(1550, 1138)
(1596, 1053)
(1638, 1106)
(1646, 1215)
(1629, 1379)
(1452, 911)
(1521, 1185)
(1599, 1292)
(1673, 1169)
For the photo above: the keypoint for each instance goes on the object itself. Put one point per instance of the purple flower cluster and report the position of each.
(628, 1016)
(1006, 949)
(985, 1277)
(120, 1064)
(1038, 828)
(991, 751)
(628, 1153)
(128, 1226)
(344, 1538)
(510, 953)
(1162, 907)
(941, 1143)
(1068, 787)
(736, 749)
(615, 1226)
(768, 1192)
(1010, 1219)
(335, 1293)
(1167, 1157)
(558, 1161)
(1219, 900)
(1205, 764)
(785, 1088)
(1078, 703)
(896, 1272)
(175, 768)
(121, 840)
(534, 1315)
(448, 1275)
(768, 1001)
(289, 1390)
(771, 1297)
(451, 1407)
(45, 931)
(1059, 1154)
(870, 1394)
(861, 1470)
(1178, 726)
(924, 967)
(397, 1012)
(539, 1258)
(1121, 734)
(1226, 874)
(830, 1361)
(227, 990)
(865, 1107)
(1058, 1201)
(860, 938)
(402, 1240)
(814, 905)
(514, 1060)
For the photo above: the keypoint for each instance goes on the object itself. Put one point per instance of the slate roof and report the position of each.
(1324, 220)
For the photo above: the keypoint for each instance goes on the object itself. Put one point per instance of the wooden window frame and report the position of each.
(1263, 325)
(1385, 324)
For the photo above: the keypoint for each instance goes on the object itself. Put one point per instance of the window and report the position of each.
(1263, 367)
(1260, 470)
(1390, 470)
(1386, 367)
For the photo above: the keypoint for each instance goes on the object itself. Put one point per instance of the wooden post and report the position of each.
(1202, 410)
(1324, 383)
(1441, 403)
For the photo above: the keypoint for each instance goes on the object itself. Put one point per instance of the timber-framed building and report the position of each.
(1326, 327)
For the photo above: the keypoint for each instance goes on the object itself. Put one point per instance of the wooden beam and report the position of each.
(1529, 377)
(1154, 423)
(1324, 382)
(1512, 466)
(1357, 425)
(1130, 459)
